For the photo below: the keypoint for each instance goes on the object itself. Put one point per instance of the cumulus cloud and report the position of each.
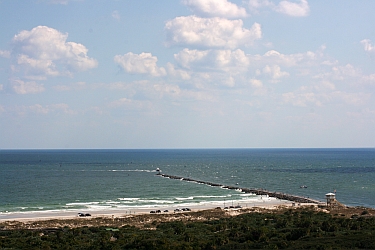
(144, 63)
(274, 72)
(323, 92)
(368, 47)
(225, 60)
(296, 9)
(44, 51)
(174, 91)
(178, 73)
(344, 72)
(210, 32)
(21, 87)
(215, 8)
(286, 60)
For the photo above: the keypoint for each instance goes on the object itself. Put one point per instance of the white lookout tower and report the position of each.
(331, 199)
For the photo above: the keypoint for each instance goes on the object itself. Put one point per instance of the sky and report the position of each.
(187, 74)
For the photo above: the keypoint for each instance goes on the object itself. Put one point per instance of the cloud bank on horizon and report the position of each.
(187, 74)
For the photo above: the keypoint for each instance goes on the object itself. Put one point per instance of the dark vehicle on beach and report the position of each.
(83, 215)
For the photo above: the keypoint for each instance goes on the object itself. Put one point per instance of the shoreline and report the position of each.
(115, 213)
(266, 200)
(141, 219)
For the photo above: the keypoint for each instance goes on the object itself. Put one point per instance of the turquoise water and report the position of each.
(49, 180)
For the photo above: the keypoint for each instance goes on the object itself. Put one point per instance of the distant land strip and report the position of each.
(257, 191)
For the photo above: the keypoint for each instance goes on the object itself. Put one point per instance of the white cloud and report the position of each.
(186, 57)
(39, 109)
(296, 9)
(44, 52)
(213, 60)
(275, 72)
(120, 102)
(324, 93)
(276, 57)
(344, 72)
(355, 99)
(169, 89)
(255, 5)
(325, 86)
(215, 8)
(369, 78)
(301, 99)
(256, 83)
(210, 32)
(21, 87)
(144, 63)
(5, 53)
(173, 72)
(174, 91)
(368, 46)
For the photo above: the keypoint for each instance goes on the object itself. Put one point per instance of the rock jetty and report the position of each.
(257, 191)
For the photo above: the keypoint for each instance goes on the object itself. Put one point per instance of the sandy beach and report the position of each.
(267, 203)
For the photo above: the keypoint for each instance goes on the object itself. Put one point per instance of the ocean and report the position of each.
(96, 180)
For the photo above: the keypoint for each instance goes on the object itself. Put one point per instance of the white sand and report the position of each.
(49, 215)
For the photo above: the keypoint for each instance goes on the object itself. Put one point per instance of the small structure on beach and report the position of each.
(332, 202)
(331, 199)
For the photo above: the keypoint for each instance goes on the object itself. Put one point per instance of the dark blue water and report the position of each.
(37, 180)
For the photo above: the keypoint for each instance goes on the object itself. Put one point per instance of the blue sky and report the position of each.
(187, 74)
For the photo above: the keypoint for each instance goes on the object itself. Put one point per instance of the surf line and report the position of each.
(257, 191)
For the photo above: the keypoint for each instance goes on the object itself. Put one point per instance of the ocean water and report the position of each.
(94, 180)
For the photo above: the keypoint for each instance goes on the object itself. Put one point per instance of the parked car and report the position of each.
(83, 215)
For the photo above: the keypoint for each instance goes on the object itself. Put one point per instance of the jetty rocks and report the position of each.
(257, 191)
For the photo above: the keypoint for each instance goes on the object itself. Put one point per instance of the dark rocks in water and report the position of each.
(258, 191)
